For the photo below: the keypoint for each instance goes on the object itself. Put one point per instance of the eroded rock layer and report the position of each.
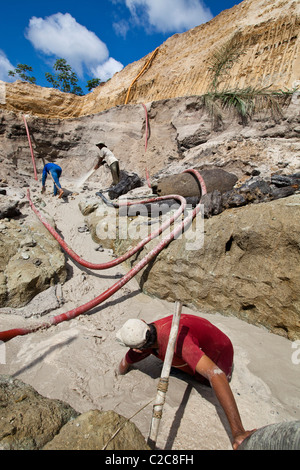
(268, 38)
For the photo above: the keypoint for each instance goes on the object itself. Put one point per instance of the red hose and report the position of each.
(127, 255)
(147, 178)
(71, 314)
(30, 146)
(200, 180)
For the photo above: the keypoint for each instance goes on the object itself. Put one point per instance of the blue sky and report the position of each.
(96, 37)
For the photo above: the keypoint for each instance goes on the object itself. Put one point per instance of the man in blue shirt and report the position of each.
(55, 173)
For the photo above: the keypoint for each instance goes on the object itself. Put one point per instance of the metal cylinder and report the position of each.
(187, 185)
(279, 436)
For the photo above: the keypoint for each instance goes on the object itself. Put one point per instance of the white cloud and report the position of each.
(5, 66)
(61, 36)
(121, 28)
(108, 69)
(169, 15)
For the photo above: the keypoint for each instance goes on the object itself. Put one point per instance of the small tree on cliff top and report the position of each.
(65, 79)
(91, 84)
(20, 71)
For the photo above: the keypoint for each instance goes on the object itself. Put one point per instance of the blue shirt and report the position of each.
(49, 167)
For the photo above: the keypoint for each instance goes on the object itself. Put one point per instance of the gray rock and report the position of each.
(29, 420)
(22, 277)
(97, 430)
(40, 305)
(9, 208)
(185, 184)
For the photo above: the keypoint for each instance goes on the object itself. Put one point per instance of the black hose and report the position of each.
(107, 202)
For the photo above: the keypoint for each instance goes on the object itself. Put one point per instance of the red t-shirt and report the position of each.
(196, 337)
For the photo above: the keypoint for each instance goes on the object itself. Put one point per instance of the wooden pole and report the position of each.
(30, 146)
(164, 378)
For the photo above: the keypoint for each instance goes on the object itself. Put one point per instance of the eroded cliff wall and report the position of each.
(268, 36)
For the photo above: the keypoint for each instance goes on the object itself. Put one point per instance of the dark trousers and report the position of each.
(115, 172)
(56, 174)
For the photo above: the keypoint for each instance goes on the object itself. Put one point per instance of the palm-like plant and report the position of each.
(245, 101)
(223, 59)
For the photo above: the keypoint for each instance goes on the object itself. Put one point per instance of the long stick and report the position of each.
(164, 378)
(30, 146)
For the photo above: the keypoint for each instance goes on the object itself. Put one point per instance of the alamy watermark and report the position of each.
(139, 221)
(2, 353)
(296, 353)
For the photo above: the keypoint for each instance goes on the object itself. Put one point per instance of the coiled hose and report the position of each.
(71, 314)
(129, 253)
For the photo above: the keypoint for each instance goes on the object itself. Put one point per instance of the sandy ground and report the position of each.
(76, 361)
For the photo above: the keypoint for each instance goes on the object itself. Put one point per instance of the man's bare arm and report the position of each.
(222, 389)
(123, 367)
(99, 163)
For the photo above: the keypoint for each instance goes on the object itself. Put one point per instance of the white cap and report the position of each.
(133, 333)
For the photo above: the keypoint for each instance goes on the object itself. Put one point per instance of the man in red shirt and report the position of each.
(201, 350)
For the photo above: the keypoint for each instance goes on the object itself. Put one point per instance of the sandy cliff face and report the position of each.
(269, 39)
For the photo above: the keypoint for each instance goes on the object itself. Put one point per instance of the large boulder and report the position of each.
(98, 430)
(31, 260)
(29, 420)
(101, 221)
(186, 184)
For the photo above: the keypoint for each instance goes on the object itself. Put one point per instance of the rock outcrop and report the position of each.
(30, 261)
(30, 421)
